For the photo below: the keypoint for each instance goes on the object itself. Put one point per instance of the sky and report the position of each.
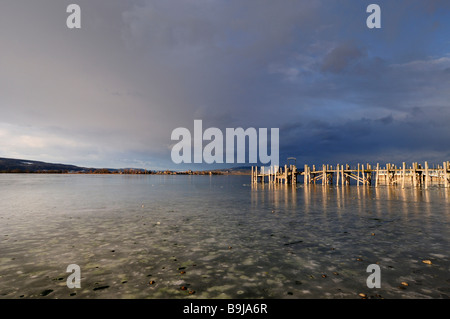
(110, 93)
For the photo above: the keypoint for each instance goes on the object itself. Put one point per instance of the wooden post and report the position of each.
(324, 174)
(285, 174)
(362, 175)
(270, 174)
(294, 175)
(262, 174)
(357, 179)
(446, 173)
(253, 175)
(386, 176)
(427, 177)
(395, 175)
(446, 182)
(347, 178)
(378, 172)
(305, 174)
(314, 174)
(366, 175)
(403, 175)
(337, 175)
(274, 174)
(309, 175)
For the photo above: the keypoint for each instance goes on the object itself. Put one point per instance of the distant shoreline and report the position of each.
(127, 172)
(22, 166)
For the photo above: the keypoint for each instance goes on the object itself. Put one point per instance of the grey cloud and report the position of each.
(386, 120)
(342, 57)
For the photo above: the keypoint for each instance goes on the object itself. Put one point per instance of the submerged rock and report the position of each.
(46, 292)
(101, 287)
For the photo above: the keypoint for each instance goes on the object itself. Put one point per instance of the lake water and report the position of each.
(219, 237)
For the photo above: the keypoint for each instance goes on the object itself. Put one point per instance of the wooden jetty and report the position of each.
(416, 174)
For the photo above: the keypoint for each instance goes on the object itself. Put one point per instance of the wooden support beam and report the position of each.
(427, 176)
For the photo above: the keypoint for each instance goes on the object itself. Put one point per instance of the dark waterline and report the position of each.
(220, 237)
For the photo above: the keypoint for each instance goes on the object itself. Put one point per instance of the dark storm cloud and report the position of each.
(419, 136)
(111, 93)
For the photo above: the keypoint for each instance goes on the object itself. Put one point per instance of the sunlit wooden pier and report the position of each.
(417, 175)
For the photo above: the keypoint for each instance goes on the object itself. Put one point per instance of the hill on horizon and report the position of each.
(12, 165)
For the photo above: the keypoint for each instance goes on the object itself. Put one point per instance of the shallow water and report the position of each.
(220, 237)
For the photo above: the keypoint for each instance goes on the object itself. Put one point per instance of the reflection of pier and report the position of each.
(415, 175)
